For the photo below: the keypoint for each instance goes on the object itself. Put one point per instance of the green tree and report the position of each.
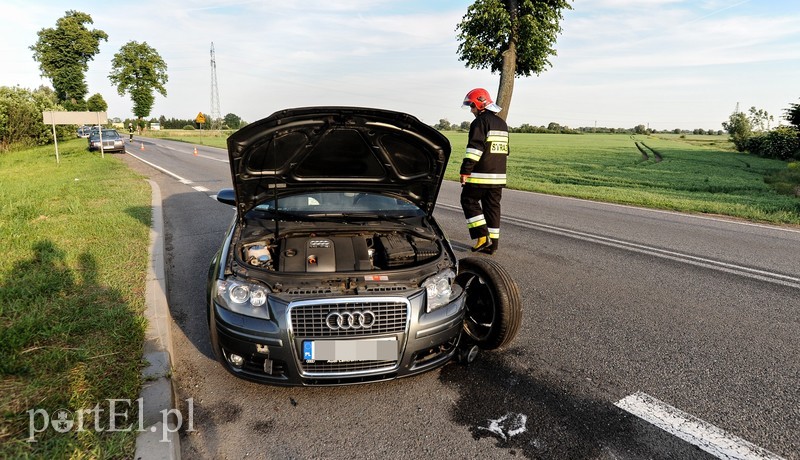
(232, 121)
(139, 70)
(443, 125)
(554, 127)
(740, 130)
(21, 117)
(760, 119)
(793, 115)
(64, 53)
(96, 103)
(512, 37)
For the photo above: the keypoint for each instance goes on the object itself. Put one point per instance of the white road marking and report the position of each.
(763, 275)
(693, 430)
(516, 425)
(180, 179)
(169, 173)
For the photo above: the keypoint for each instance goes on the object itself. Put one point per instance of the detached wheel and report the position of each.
(494, 306)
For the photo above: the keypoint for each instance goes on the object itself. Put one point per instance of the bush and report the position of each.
(781, 143)
(188, 127)
(740, 129)
(21, 117)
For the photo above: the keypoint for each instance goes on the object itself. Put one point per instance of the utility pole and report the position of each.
(216, 117)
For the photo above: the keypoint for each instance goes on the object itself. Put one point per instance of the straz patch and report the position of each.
(498, 147)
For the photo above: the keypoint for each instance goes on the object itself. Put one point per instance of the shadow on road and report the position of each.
(540, 415)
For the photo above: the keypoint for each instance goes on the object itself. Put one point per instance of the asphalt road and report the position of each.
(700, 313)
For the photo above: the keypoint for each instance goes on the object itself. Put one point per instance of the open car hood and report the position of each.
(337, 149)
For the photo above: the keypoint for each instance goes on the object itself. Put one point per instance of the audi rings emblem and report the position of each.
(350, 320)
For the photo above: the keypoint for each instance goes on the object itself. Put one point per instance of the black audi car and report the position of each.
(334, 270)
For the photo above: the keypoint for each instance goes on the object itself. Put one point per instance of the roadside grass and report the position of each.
(72, 280)
(691, 177)
(209, 138)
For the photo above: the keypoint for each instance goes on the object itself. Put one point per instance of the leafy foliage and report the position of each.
(740, 128)
(489, 26)
(138, 69)
(760, 119)
(21, 117)
(781, 143)
(232, 121)
(512, 37)
(96, 103)
(64, 53)
(793, 115)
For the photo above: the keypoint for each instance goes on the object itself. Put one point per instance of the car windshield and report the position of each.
(342, 204)
(107, 134)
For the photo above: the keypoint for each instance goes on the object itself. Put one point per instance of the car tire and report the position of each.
(493, 303)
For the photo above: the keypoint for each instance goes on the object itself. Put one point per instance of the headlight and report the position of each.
(439, 288)
(242, 297)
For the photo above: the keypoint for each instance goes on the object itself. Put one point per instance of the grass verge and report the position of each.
(72, 281)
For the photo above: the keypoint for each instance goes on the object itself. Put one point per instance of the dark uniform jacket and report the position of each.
(487, 151)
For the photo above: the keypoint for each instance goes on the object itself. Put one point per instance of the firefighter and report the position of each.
(130, 130)
(483, 171)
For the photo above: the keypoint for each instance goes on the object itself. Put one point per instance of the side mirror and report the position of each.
(227, 196)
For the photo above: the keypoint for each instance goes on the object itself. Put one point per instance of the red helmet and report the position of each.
(480, 98)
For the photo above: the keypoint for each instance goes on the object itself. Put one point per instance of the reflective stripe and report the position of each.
(483, 178)
(488, 176)
(494, 233)
(497, 139)
(473, 154)
(497, 133)
(486, 181)
(476, 221)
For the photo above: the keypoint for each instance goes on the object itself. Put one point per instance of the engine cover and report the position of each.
(324, 255)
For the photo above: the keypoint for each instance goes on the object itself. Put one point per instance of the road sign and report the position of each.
(200, 118)
(74, 118)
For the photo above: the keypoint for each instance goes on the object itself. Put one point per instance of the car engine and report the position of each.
(339, 253)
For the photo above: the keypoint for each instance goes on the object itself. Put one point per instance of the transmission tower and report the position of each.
(216, 116)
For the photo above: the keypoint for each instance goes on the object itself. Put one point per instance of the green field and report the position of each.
(75, 239)
(696, 173)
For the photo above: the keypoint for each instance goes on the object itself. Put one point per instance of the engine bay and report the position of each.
(331, 253)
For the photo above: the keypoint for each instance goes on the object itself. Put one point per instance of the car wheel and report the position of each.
(493, 303)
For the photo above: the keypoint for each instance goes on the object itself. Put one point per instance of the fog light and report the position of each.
(236, 360)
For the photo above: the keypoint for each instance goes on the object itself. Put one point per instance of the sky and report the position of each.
(665, 64)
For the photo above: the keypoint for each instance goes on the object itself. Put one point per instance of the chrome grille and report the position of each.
(308, 321)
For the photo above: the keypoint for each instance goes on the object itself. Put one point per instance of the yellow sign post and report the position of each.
(200, 119)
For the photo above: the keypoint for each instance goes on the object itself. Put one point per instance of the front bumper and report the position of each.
(272, 350)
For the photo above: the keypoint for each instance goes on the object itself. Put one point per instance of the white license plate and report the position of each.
(384, 349)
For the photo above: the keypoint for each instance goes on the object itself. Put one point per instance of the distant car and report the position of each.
(84, 131)
(112, 141)
(334, 270)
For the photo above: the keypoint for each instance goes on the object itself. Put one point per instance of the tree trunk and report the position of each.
(508, 72)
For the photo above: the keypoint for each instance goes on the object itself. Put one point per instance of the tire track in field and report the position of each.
(646, 151)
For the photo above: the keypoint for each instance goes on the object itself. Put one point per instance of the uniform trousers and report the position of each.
(481, 207)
